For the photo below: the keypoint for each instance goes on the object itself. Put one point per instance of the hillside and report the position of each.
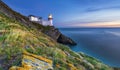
(26, 48)
(53, 32)
(16, 38)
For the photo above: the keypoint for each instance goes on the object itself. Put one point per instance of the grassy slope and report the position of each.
(14, 37)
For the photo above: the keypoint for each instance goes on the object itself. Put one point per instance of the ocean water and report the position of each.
(101, 43)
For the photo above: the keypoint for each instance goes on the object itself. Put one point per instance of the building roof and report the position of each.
(35, 16)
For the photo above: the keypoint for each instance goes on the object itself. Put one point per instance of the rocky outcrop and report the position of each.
(116, 68)
(59, 37)
(52, 31)
(34, 62)
(65, 40)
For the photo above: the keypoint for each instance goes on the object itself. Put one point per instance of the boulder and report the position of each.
(34, 62)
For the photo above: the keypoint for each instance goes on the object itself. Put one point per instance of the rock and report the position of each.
(65, 40)
(34, 62)
(115, 68)
(59, 37)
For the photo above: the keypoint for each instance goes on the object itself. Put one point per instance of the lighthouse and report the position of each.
(50, 19)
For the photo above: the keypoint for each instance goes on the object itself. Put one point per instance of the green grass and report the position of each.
(98, 64)
(16, 37)
(1, 68)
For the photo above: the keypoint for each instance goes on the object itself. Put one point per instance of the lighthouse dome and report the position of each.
(50, 16)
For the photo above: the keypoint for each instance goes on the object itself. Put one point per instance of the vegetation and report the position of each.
(97, 64)
(15, 37)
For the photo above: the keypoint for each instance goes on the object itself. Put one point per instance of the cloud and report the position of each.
(100, 24)
(88, 12)
(93, 24)
(101, 8)
(100, 17)
(76, 13)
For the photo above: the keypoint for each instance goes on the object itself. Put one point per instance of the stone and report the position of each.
(55, 34)
(34, 62)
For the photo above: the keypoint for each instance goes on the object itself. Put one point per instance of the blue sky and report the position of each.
(72, 13)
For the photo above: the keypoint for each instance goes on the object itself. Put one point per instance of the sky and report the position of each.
(72, 13)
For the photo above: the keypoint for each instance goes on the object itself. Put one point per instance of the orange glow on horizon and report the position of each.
(100, 24)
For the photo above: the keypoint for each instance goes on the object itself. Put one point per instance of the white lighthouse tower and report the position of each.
(50, 19)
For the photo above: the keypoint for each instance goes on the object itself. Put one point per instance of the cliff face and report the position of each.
(59, 37)
(50, 31)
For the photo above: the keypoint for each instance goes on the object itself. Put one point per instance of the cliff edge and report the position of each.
(58, 36)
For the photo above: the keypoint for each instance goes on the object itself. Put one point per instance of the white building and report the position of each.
(39, 20)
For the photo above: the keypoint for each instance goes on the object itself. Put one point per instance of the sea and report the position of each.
(101, 43)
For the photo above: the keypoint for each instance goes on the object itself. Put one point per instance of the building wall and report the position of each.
(32, 18)
(40, 21)
(45, 23)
